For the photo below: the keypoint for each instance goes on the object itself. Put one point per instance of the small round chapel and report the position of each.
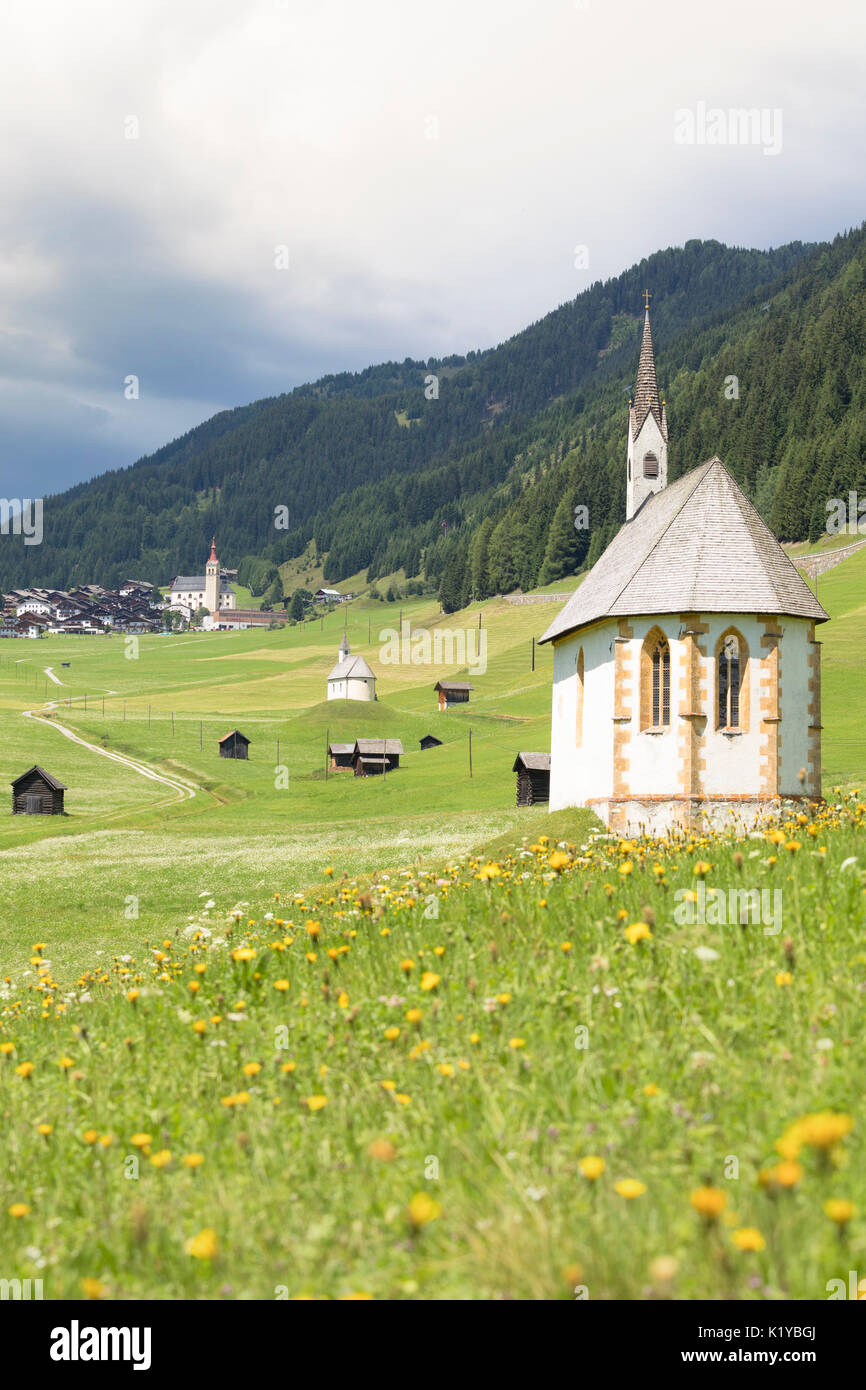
(687, 679)
(351, 678)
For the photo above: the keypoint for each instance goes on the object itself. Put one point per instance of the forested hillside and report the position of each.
(476, 487)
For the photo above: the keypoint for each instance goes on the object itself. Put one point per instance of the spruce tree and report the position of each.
(563, 553)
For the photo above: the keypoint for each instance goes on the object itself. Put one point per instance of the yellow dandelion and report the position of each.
(747, 1238)
(203, 1246)
(839, 1209)
(786, 1174)
(592, 1167)
(630, 1188)
(489, 871)
(708, 1202)
(638, 931)
(423, 1209)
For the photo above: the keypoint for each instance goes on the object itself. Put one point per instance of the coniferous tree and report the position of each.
(564, 551)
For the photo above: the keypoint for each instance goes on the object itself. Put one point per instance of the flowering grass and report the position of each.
(513, 1076)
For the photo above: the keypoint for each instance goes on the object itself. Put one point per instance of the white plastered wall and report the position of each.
(583, 772)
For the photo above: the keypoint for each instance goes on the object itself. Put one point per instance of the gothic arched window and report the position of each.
(655, 681)
(731, 659)
(578, 724)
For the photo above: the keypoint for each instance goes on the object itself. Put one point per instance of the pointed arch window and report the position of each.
(661, 696)
(655, 681)
(578, 729)
(731, 688)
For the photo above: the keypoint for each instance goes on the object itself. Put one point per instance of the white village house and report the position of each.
(351, 678)
(687, 677)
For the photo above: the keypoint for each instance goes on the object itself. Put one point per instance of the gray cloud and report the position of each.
(430, 172)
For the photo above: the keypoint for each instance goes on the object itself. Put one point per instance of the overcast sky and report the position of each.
(430, 169)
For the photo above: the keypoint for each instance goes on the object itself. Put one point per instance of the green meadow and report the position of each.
(130, 844)
(267, 1032)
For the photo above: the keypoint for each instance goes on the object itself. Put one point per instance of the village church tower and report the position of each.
(212, 581)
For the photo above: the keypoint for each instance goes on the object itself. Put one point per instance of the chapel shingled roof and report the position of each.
(354, 667)
(697, 546)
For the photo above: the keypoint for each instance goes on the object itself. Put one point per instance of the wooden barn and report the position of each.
(37, 793)
(340, 754)
(373, 756)
(428, 741)
(452, 693)
(533, 778)
(234, 745)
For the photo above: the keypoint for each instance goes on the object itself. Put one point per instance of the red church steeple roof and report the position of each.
(212, 559)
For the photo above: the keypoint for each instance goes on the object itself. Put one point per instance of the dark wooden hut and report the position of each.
(453, 693)
(428, 741)
(37, 793)
(234, 745)
(373, 756)
(340, 754)
(533, 778)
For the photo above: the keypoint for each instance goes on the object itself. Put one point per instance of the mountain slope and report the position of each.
(418, 462)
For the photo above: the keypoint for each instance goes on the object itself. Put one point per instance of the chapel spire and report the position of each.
(647, 428)
(646, 395)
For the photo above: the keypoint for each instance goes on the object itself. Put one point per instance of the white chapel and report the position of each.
(351, 678)
(687, 673)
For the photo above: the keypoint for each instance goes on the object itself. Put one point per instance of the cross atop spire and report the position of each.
(647, 297)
